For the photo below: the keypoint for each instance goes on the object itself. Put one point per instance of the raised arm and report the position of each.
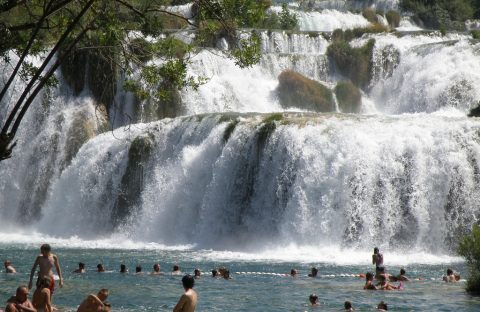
(59, 271)
(34, 268)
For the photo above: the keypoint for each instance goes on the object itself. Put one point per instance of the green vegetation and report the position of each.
(353, 63)
(450, 14)
(475, 34)
(348, 96)
(295, 90)
(229, 129)
(108, 36)
(370, 15)
(469, 248)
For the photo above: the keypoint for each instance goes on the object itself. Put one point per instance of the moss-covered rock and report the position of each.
(349, 98)
(370, 15)
(475, 112)
(295, 90)
(393, 18)
(132, 181)
(353, 63)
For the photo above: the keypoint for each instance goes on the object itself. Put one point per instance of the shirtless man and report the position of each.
(188, 301)
(399, 278)
(450, 277)
(176, 270)
(46, 261)
(20, 302)
(313, 298)
(377, 259)
(100, 268)
(94, 303)
(41, 297)
(8, 267)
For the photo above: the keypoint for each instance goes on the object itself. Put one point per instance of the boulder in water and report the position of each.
(296, 90)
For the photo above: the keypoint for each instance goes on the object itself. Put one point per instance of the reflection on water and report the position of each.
(248, 291)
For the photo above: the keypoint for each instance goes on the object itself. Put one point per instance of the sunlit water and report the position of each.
(257, 285)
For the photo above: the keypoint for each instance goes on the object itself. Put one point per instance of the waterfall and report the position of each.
(242, 180)
(236, 171)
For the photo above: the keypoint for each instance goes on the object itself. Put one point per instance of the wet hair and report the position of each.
(196, 272)
(376, 250)
(45, 247)
(293, 272)
(81, 265)
(123, 268)
(176, 267)
(156, 265)
(138, 269)
(314, 272)
(188, 281)
(347, 305)
(100, 266)
(449, 271)
(313, 298)
(382, 305)
(369, 276)
(402, 272)
(214, 273)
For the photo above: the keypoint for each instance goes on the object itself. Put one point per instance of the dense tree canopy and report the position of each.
(124, 35)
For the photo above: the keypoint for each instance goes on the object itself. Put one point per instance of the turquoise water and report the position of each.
(247, 291)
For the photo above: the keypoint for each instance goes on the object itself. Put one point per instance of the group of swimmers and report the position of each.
(46, 261)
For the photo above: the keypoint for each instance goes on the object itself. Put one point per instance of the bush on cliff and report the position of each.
(393, 18)
(352, 63)
(295, 90)
(469, 248)
(349, 98)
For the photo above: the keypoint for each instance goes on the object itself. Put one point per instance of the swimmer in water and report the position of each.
(123, 268)
(176, 270)
(313, 298)
(8, 267)
(46, 261)
(382, 306)
(81, 268)
(369, 282)
(41, 297)
(293, 273)
(138, 269)
(100, 268)
(196, 273)
(348, 306)
(188, 301)
(313, 272)
(215, 273)
(156, 269)
(399, 278)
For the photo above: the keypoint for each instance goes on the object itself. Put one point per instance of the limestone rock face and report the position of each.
(295, 90)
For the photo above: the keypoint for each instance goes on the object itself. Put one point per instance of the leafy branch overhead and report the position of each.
(150, 41)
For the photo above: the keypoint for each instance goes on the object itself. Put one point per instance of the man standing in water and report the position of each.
(188, 301)
(46, 261)
(377, 259)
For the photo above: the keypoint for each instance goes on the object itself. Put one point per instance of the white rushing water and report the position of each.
(230, 184)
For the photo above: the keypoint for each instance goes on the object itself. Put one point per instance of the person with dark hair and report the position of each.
(46, 261)
(20, 302)
(196, 273)
(176, 270)
(123, 268)
(382, 306)
(400, 278)
(8, 267)
(41, 297)
(215, 273)
(94, 303)
(188, 301)
(100, 268)
(377, 259)
(293, 273)
(369, 282)
(348, 306)
(313, 298)
(81, 268)
(314, 272)
(384, 284)
(138, 269)
(156, 269)
(450, 277)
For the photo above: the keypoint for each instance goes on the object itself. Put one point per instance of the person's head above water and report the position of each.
(348, 305)
(313, 298)
(314, 272)
(293, 272)
(402, 272)
(369, 276)
(123, 268)
(176, 268)
(100, 268)
(449, 271)
(156, 267)
(188, 282)
(382, 306)
(138, 269)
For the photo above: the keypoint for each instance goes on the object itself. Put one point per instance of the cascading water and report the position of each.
(235, 178)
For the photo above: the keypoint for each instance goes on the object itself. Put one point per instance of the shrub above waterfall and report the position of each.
(295, 90)
(469, 248)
